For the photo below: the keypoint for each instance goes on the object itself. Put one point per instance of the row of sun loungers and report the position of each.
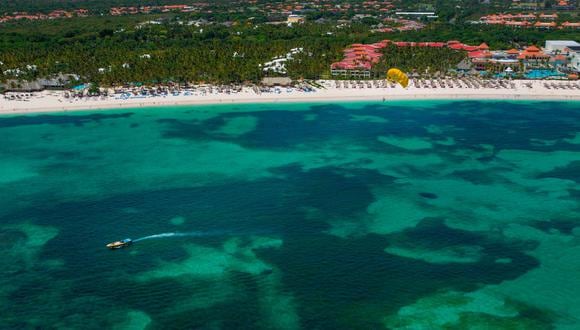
(427, 83)
(572, 86)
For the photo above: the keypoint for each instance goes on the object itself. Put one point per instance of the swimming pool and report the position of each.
(504, 74)
(81, 87)
(542, 74)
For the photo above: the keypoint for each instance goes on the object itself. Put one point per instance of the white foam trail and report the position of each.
(190, 234)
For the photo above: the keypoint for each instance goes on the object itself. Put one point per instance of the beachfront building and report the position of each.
(500, 61)
(559, 62)
(56, 82)
(351, 72)
(574, 58)
(59, 81)
(555, 59)
(21, 86)
(559, 56)
(558, 46)
(534, 58)
(358, 60)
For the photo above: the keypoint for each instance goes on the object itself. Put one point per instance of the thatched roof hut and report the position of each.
(276, 81)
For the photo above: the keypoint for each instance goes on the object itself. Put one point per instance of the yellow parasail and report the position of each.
(398, 76)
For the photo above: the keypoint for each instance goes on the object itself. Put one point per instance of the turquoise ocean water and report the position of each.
(407, 215)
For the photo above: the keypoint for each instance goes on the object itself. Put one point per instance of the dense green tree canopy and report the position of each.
(114, 50)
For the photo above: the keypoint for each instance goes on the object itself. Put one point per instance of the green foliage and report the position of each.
(418, 59)
(177, 52)
(93, 5)
(218, 53)
(497, 37)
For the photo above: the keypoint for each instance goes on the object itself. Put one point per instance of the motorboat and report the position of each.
(120, 244)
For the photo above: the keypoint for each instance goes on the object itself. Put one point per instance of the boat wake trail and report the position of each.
(189, 234)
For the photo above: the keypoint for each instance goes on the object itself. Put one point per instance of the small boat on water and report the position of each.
(120, 244)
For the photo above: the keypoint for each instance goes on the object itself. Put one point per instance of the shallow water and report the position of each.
(407, 215)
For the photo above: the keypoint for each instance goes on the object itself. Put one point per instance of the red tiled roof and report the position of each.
(560, 57)
(470, 48)
(479, 54)
(532, 49)
(568, 24)
(361, 56)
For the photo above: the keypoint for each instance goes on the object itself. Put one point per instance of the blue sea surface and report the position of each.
(396, 215)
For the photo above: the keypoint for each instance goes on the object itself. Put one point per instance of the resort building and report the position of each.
(574, 58)
(559, 61)
(117, 11)
(417, 14)
(517, 24)
(565, 5)
(559, 56)
(533, 57)
(57, 82)
(508, 17)
(21, 86)
(558, 46)
(359, 58)
(545, 25)
(542, 21)
(569, 25)
(296, 19)
(548, 17)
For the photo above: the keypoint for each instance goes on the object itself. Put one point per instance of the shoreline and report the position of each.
(52, 102)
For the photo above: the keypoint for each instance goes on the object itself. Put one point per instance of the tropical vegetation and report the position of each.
(168, 47)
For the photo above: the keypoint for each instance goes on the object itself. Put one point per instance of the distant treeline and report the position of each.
(93, 5)
(497, 37)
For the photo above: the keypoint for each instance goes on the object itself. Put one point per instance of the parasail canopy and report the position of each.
(398, 76)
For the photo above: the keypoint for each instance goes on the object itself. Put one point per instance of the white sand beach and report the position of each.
(55, 101)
